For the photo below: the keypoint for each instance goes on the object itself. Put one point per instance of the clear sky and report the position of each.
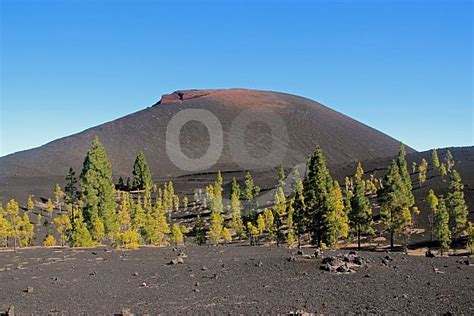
(403, 67)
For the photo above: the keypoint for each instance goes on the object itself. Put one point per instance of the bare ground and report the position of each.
(235, 279)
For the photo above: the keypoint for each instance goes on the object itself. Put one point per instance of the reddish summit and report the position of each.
(183, 95)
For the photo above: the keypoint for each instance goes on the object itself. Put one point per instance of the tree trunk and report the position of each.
(391, 239)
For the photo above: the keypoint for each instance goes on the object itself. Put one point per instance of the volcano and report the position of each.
(197, 132)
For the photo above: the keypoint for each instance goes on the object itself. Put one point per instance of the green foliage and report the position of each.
(260, 224)
(300, 217)
(226, 235)
(199, 231)
(395, 211)
(235, 206)
(290, 234)
(281, 176)
(449, 161)
(97, 188)
(405, 175)
(432, 201)
(252, 232)
(63, 226)
(318, 186)
(70, 190)
(58, 196)
(80, 235)
(360, 210)
(470, 237)
(141, 173)
(441, 225)
(5, 227)
(250, 191)
(269, 222)
(338, 222)
(30, 204)
(456, 205)
(15, 221)
(27, 231)
(177, 235)
(49, 241)
(49, 207)
(435, 159)
(422, 170)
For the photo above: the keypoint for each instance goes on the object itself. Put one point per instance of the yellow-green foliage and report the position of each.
(235, 206)
(50, 207)
(226, 235)
(252, 231)
(27, 231)
(470, 237)
(49, 241)
(98, 229)
(337, 217)
(290, 236)
(5, 226)
(128, 239)
(30, 205)
(63, 226)
(177, 235)
(269, 222)
(215, 227)
(80, 235)
(13, 217)
(260, 224)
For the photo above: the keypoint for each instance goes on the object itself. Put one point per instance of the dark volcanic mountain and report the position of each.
(307, 124)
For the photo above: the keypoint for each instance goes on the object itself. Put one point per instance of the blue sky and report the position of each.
(404, 67)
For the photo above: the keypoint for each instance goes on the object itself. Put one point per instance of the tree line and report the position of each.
(93, 210)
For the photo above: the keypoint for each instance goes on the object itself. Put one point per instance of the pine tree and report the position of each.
(49, 241)
(30, 204)
(15, 221)
(337, 217)
(27, 231)
(281, 176)
(58, 197)
(97, 188)
(456, 205)
(422, 170)
(260, 224)
(359, 172)
(63, 226)
(449, 160)
(432, 201)
(435, 159)
(80, 235)
(250, 192)
(177, 235)
(70, 190)
(290, 235)
(317, 187)
(279, 209)
(405, 175)
(141, 173)
(127, 237)
(199, 231)
(235, 206)
(443, 171)
(470, 237)
(360, 212)
(300, 217)
(214, 196)
(395, 211)
(252, 232)
(441, 226)
(269, 223)
(216, 227)
(50, 207)
(226, 235)
(5, 227)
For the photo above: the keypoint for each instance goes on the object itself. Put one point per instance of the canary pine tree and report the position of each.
(70, 190)
(456, 205)
(97, 188)
(405, 175)
(395, 210)
(449, 160)
(291, 239)
(63, 226)
(435, 159)
(235, 206)
(441, 226)
(27, 231)
(226, 235)
(300, 217)
(80, 235)
(30, 204)
(49, 241)
(15, 221)
(337, 218)
(141, 173)
(422, 170)
(5, 227)
(432, 201)
(58, 197)
(269, 222)
(177, 235)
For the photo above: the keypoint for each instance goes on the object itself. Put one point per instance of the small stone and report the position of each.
(353, 252)
(429, 254)
(182, 254)
(11, 311)
(126, 312)
(318, 253)
(405, 296)
(135, 274)
(29, 289)
(93, 273)
(367, 276)
(292, 259)
(300, 252)
(196, 290)
(144, 284)
(204, 268)
(259, 264)
(180, 260)
(197, 284)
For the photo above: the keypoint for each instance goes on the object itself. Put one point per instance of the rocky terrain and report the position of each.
(232, 280)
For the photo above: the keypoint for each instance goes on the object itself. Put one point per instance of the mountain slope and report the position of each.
(307, 124)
